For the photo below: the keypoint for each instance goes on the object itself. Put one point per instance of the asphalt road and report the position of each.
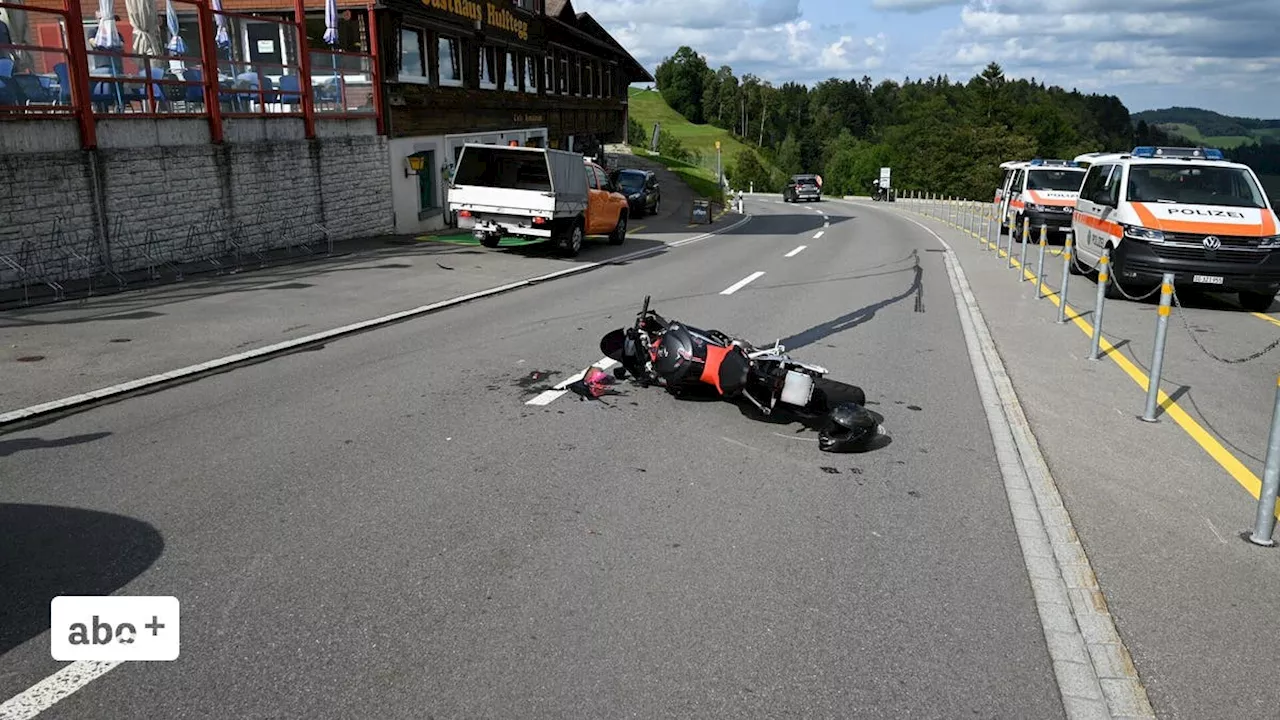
(384, 527)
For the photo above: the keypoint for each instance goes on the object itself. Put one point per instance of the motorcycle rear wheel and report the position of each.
(828, 393)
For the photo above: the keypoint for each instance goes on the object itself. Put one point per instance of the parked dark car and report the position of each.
(641, 188)
(802, 188)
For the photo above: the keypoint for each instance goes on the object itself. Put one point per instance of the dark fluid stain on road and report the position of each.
(830, 470)
(873, 402)
(675, 545)
(31, 358)
(641, 470)
(855, 471)
(121, 340)
(291, 286)
(899, 462)
(914, 407)
(897, 402)
(914, 493)
(536, 381)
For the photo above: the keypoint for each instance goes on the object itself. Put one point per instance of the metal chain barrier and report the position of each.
(1120, 289)
(1230, 361)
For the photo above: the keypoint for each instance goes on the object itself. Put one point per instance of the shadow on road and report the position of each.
(50, 551)
(12, 447)
(862, 315)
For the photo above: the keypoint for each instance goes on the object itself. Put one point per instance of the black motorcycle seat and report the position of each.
(734, 371)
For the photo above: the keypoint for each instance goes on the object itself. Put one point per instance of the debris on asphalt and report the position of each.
(595, 383)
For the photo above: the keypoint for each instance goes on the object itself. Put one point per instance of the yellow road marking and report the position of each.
(1268, 318)
(1229, 462)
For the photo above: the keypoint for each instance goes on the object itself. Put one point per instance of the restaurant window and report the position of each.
(448, 59)
(486, 56)
(413, 66)
(548, 74)
(587, 75)
(512, 79)
(563, 80)
(530, 73)
(575, 75)
(608, 81)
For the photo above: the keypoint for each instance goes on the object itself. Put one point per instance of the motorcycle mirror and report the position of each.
(613, 344)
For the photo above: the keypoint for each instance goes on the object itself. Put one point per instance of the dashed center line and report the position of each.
(826, 224)
(796, 252)
(549, 396)
(815, 237)
(742, 283)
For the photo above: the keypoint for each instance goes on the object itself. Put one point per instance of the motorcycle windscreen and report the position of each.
(613, 344)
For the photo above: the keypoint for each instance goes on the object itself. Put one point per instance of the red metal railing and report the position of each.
(203, 81)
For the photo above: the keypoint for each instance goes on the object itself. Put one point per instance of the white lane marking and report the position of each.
(741, 283)
(815, 237)
(44, 694)
(547, 397)
(796, 252)
(806, 207)
(826, 224)
(65, 403)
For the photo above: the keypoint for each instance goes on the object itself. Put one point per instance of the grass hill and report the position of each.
(647, 107)
(1211, 128)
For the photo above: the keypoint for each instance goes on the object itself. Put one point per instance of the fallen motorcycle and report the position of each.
(683, 359)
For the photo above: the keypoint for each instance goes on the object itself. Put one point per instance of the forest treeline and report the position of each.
(947, 136)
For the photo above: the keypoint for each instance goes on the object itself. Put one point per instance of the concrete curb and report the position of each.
(16, 419)
(1095, 672)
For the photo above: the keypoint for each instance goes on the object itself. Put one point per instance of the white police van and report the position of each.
(1041, 191)
(1187, 211)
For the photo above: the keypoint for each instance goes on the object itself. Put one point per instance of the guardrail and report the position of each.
(979, 219)
(189, 62)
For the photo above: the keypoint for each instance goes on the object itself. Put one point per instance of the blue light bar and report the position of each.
(1148, 151)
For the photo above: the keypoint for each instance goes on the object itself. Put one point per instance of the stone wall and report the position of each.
(157, 191)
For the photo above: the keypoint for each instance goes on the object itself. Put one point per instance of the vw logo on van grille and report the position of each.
(1212, 243)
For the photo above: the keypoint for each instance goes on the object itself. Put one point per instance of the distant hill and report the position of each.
(1212, 128)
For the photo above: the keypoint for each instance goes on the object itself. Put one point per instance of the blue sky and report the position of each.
(1212, 54)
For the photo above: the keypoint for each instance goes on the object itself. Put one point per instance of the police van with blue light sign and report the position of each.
(1188, 211)
(1041, 191)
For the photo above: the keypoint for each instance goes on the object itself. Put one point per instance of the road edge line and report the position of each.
(1063, 599)
(16, 419)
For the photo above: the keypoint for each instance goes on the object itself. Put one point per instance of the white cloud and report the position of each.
(769, 38)
(1202, 52)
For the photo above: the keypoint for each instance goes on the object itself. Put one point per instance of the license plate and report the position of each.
(1208, 279)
